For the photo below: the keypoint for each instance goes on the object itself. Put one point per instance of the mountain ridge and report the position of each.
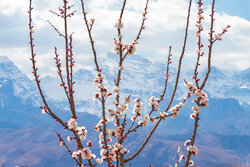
(27, 136)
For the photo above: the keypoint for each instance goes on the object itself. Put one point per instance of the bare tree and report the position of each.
(111, 139)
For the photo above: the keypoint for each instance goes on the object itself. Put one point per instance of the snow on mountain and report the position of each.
(142, 78)
(223, 134)
(22, 85)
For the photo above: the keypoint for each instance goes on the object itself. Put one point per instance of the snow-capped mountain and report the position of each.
(23, 87)
(229, 92)
(27, 137)
(142, 78)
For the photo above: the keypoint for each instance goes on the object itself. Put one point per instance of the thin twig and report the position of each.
(65, 145)
(90, 35)
(210, 47)
(58, 64)
(174, 91)
(59, 33)
(203, 84)
(35, 69)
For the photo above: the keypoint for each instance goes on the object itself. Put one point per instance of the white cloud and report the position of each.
(232, 61)
(8, 7)
(164, 27)
(102, 4)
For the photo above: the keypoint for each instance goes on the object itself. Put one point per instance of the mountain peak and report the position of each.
(215, 69)
(22, 85)
(4, 59)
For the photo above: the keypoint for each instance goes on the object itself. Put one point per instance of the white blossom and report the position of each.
(72, 124)
(69, 139)
(218, 37)
(118, 25)
(181, 157)
(62, 143)
(86, 153)
(192, 149)
(74, 154)
(200, 96)
(98, 160)
(44, 111)
(124, 151)
(175, 111)
(121, 68)
(131, 49)
(145, 121)
(153, 102)
(191, 162)
(128, 100)
(103, 153)
(116, 89)
(187, 142)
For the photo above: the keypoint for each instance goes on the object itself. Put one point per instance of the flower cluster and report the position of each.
(103, 153)
(116, 150)
(193, 149)
(181, 156)
(153, 102)
(117, 113)
(201, 98)
(85, 153)
(218, 37)
(120, 47)
(112, 153)
(131, 48)
(145, 121)
(82, 132)
(72, 124)
(137, 109)
(117, 132)
(175, 109)
(190, 148)
(200, 27)
(99, 125)
(98, 80)
(120, 108)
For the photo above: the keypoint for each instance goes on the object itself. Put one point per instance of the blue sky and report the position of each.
(234, 7)
(164, 27)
